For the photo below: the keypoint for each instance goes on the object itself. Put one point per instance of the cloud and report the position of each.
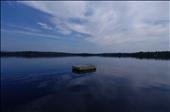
(63, 9)
(32, 33)
(109, 23)
(44, 26)
(25, 28)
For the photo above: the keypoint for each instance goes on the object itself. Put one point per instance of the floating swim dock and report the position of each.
(83, 68)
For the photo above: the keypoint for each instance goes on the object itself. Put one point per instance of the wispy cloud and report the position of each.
(44, 26)
(32, 34)
(25, 28)
(109, 23)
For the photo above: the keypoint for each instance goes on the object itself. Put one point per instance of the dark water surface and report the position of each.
(118, 85)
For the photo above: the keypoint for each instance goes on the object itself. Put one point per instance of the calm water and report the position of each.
(118, 85)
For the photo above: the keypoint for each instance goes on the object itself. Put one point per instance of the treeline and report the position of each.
(141, 55)
(34, 54)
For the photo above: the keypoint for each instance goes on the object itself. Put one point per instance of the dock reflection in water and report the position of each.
(83, 72)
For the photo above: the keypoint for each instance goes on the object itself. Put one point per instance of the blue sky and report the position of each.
(83, 26)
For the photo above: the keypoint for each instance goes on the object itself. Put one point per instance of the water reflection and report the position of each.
(49, 85)
(83, 72)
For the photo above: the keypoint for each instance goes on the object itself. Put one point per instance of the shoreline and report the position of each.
(141, 55)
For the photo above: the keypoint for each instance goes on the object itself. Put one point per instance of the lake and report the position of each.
(118, 85)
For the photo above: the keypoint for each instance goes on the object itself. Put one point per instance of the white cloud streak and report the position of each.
(25, 28)
(44, 26)
(30, 33)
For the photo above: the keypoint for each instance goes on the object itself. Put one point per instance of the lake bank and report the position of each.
(141, 55)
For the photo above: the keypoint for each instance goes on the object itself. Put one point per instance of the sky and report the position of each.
(85, 26)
